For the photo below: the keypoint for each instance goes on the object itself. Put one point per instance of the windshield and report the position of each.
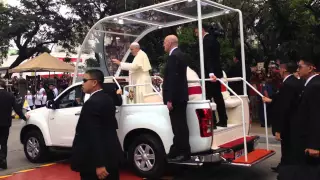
(111, 37)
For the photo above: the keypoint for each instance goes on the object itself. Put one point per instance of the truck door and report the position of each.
(63, 120)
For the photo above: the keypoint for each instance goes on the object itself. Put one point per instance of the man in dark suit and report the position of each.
(96, 148)
(304, 129)
(283, 103)
(175, 96)
(7, 103)
(236, 71)
(213, 70)
(305, 134)
(112, 90)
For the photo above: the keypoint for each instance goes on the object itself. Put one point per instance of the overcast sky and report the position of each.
(13, 2)
(63, 9)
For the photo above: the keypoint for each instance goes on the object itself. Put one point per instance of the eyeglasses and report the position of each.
(85, 80)
(301, 66)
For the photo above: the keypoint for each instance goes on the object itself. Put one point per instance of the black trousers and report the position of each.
(285, 151)
(178, 117)
(113, 175)
(4, 134)
(213, 90)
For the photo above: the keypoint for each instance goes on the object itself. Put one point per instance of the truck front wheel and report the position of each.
(34, 147)
(147, 156)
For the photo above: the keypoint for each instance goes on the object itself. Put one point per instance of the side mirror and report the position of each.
(50, 104)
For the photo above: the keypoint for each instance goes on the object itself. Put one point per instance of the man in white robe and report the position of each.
(138, 73)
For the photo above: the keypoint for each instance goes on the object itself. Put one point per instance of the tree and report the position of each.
(4, 42)
(87, 13)
(34, 26)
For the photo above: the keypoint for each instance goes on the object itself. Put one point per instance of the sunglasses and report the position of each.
(85, 80)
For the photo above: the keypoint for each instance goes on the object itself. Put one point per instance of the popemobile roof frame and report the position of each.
(181, 18)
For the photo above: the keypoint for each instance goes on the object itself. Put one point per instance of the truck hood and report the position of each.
(37, 111)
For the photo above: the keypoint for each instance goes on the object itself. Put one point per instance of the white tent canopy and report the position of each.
(111, 36)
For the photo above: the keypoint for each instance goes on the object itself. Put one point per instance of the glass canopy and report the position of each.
(111, 36)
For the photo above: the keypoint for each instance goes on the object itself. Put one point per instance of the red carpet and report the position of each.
(58, 172)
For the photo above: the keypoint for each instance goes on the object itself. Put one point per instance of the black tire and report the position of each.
(42, 155)
(159, 162)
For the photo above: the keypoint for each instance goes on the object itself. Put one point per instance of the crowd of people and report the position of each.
(37, 90)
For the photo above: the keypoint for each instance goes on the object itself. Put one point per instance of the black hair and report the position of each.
(291, 67)
(2, 83)
(96, 74)
(309, 60)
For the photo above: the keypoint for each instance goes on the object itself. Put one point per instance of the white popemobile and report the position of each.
(145, 129)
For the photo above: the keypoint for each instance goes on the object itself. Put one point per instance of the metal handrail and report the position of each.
(264, 109)
(242, 117)
(242, 114)
(114, 79)
(235, 79)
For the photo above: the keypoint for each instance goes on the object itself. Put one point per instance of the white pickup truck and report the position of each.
(144, 130)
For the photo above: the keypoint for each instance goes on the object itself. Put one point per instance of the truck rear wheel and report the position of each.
(147, 156)
(34, 147)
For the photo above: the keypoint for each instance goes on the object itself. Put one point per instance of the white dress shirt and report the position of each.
(29, 99)
(38, 99)
(309, 79)
(87, 96)
(42, 90)
(286, 78)
(55, 92)
(172, 50)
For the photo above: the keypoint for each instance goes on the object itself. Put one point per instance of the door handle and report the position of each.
(77, 114)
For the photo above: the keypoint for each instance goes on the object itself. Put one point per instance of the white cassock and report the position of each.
(139, 74)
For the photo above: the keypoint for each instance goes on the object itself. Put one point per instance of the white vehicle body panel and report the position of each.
(58, 125)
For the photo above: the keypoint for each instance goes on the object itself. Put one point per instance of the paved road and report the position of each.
(17, 162)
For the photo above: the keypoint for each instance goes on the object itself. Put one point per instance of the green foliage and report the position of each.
(91, 62)
(35, 25)
(227, 52)
(4, 42)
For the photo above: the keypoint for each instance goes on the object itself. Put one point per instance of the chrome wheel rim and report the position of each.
(144, 157)
(33, 147)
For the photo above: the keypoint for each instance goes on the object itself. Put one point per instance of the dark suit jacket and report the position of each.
(7, 103)
(111, 90)
(285, 101)
(96, 143)
(305, 126)
(175, 84)
(211, 50)
(236, 71)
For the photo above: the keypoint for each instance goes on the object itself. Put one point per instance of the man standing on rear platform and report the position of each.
(175, 96)
(213, 70)
(96, 152)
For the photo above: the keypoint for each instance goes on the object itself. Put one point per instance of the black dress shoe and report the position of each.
(179, 158)
(3, 165)
(275, 169)
(222, 125)
(171, 155)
